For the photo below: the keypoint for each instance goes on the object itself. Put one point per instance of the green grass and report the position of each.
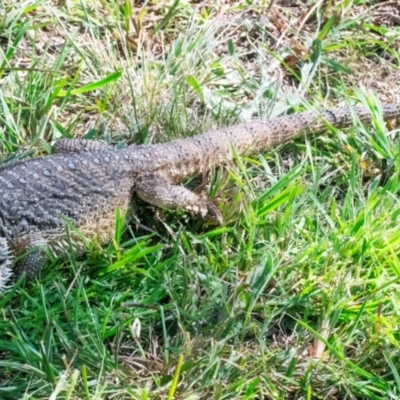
(297, 295)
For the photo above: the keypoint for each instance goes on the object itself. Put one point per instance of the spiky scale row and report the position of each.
(5, 264)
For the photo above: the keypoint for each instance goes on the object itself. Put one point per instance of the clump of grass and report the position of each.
(296, 295)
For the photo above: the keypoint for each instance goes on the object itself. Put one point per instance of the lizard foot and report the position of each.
(30, 254)
(155, 189)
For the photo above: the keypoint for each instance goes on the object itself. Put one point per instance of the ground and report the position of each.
(296, 296)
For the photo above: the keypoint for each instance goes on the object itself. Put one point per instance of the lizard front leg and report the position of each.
(30, 255)
(5, 263)
(155, 189)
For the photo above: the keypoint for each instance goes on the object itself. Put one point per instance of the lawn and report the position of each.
(296, 295)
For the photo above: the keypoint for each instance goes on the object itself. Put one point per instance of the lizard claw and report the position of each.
(214, 212)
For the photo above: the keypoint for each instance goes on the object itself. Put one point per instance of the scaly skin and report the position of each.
(85, 183)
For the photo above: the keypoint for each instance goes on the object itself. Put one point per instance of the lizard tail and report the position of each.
(264, 135)
(191, 156)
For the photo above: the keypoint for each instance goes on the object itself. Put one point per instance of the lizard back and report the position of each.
(84, 188)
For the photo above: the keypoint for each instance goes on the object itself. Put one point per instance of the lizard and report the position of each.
(85, 182)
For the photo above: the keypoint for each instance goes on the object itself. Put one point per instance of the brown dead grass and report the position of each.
(283, 28)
